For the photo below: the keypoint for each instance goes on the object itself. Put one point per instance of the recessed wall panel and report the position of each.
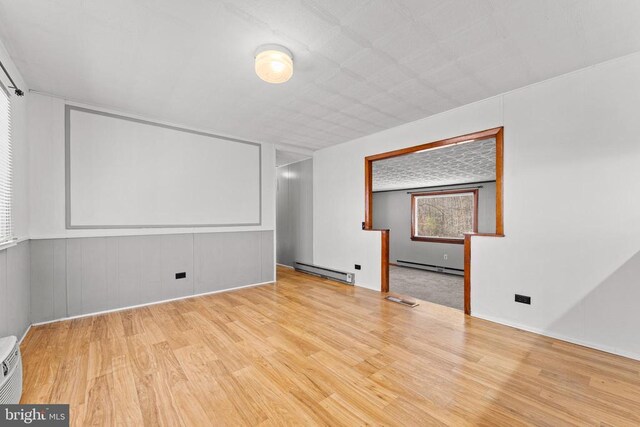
(123, 172)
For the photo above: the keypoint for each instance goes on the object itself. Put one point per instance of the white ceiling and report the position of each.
(360, 65)
(288, 157)
(455, 164)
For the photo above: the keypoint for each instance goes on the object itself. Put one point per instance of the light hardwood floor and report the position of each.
(306, 351)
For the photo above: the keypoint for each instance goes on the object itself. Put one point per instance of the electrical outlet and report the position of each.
(523, 299)
(182, 275)
(357, 267)
(446, 257)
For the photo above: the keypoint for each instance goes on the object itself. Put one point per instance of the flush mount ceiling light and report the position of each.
(274, 63)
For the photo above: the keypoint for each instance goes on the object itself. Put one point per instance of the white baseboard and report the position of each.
(561, 337)
(283, 265)
(113, 310)
(25, 334)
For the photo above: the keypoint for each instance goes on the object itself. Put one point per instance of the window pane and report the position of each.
(446, 216)
(6, 233)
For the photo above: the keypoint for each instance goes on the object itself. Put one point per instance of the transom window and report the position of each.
(444, 216)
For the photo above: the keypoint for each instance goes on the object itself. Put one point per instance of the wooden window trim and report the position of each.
(459, 241)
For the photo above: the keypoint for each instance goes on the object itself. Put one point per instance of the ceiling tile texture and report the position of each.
(361, 66)
(286, 157)
(455, 164)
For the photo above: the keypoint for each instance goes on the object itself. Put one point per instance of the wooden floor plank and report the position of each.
(308, 351)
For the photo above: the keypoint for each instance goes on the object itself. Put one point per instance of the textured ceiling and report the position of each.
(288, 157)
(360, 65)
(454, 164)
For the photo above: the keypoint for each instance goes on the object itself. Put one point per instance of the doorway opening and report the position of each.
(427, 202)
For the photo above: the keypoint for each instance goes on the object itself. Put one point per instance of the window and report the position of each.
(444, 216)
(6, 229)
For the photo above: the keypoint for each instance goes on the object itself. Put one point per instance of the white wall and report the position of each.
(47, 179)
(339, 240)
(294, 237)
(128, 174)
(571, 212)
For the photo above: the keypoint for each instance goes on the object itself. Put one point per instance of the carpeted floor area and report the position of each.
(439, 288)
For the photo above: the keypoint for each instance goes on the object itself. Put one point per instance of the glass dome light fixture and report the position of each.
(273, 63)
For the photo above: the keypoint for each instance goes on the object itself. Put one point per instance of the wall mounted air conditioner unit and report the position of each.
(11, 374)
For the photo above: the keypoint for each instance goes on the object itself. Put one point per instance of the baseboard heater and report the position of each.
(436, 268)
(325, 273)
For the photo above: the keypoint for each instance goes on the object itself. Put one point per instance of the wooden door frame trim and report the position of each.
(498, 134)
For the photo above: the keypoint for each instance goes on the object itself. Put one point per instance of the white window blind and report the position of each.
(6, 228)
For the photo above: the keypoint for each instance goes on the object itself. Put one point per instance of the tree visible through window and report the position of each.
(444, 216)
